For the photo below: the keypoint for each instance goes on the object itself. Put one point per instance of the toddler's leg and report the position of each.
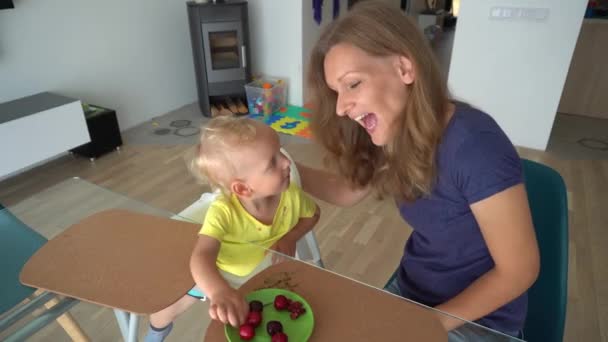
(161, 322)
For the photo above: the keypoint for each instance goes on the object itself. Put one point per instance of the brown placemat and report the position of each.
(345, 310)
(119, 259)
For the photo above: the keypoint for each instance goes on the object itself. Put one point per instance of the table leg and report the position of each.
(42, 320)
(128, 324)
(68, 324)
(123, 322)
(133, 325)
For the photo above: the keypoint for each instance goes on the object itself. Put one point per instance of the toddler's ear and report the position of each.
(240, 189)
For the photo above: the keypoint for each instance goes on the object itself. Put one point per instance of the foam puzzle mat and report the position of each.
(292, 120)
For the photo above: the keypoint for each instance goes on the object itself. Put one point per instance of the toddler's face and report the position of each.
(265, 170)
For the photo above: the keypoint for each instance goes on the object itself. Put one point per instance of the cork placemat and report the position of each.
(345, 310)
(117, 258)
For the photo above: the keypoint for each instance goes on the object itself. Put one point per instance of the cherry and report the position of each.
(256, 305)
(254, 318)
(281, 302)
(279, 337)
(297, 312)
(274, 327)
(246, 332)
(294, 306)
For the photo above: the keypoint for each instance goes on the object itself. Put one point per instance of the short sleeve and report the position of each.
(486, 164)
(308, 207)
(217, 221)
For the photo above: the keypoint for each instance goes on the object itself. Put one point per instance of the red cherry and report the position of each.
(274, 327)
(256, 305)
(254, 318)
(279, 337)
(297, 313)
(246, 332)
(293, 306)
(280, 302)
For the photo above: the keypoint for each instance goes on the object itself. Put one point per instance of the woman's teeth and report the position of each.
(368, 121)
(360, 117)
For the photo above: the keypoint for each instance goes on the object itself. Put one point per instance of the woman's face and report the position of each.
(370, 90)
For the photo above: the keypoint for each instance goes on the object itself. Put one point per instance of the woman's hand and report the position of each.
(448, 322)
(285, 245)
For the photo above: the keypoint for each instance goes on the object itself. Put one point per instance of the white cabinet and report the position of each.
(37, 128)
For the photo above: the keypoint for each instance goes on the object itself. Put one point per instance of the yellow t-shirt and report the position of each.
(228, 222)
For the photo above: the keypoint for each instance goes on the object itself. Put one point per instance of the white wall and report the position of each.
(282, 33)
(133, 56)
(311, 30)
(275, 35)
(515, 69)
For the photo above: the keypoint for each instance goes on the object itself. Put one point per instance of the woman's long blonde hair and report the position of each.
(406, 166)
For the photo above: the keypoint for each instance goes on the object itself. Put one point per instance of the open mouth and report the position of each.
(369, 121)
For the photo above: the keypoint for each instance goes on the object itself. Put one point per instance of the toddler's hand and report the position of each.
(228, 306)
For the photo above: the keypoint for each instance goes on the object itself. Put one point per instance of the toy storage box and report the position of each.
(266, 96)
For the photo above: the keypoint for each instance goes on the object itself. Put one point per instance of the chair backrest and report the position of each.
(294, 174)
(547, 298)
(18, 243)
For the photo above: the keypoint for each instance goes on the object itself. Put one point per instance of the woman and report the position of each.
(383, 113)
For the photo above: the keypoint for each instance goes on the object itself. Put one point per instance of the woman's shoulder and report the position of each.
(471, 129)
(478, 155)
(469, 121)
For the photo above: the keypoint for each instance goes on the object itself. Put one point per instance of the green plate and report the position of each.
(297, 330)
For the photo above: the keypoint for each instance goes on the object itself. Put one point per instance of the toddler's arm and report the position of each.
(227, 305)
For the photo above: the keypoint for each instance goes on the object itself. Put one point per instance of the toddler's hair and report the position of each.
(211, 162)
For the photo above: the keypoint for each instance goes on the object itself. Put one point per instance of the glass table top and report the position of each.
(51, 211)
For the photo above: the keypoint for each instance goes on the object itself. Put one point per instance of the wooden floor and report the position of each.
(364, 242)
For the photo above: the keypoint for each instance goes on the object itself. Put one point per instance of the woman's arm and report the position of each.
(506, 226)
(330, 187)
(287, 244)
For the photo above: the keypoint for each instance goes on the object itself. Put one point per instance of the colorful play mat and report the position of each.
(292, 120)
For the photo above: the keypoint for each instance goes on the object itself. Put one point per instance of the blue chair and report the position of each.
(18, 243)
(548, 296)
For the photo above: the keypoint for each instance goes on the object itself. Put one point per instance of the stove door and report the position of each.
(225, 57)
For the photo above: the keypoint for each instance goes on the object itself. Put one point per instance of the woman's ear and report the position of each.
(405, 67)
(240, 189)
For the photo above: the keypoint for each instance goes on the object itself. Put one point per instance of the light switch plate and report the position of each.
(518, 13)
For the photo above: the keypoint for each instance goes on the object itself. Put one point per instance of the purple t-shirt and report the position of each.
(446, 251)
